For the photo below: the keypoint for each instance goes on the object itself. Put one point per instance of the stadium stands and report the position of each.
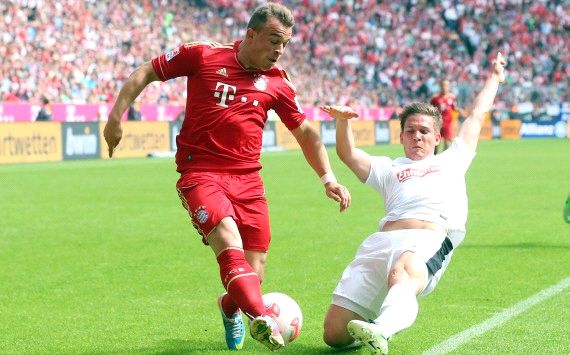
(368, 53)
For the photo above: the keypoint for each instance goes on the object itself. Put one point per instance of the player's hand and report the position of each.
(338, 193)
(499, 67)
(339, 112)
(113, 133)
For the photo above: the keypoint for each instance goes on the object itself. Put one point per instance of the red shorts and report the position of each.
(210, 197)
(446, 131)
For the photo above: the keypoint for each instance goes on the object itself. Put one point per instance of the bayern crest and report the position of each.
(201, 214)
(260, 82)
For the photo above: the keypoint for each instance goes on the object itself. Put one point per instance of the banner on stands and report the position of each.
(364, 114)
(26, 112)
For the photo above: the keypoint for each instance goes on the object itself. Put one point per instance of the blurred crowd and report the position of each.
(366, 53)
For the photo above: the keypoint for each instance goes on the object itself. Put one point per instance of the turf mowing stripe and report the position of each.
(461, 338)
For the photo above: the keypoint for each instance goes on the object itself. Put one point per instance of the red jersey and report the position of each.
(226, 106)
(445, 105)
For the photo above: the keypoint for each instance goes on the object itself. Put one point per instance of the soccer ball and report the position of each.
(286, 312)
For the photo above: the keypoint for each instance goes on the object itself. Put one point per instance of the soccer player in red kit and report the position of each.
(445, 102)
(230, 89)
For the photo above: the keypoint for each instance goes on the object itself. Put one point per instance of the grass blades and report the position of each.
(99, 257)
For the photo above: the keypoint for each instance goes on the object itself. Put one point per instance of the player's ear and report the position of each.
(250, 33)
(437, 138)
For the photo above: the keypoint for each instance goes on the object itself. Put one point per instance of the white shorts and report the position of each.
(363, 285)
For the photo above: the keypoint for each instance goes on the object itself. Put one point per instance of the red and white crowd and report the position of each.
(368, 53)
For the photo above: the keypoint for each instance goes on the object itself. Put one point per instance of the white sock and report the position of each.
(399, 310)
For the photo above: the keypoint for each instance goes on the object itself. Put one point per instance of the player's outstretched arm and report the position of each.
(137, 81)
(471, 127)
(316, 155)
(356, 159)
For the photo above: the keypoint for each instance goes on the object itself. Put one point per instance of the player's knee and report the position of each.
(257, 262)
(397, 274)
(336, 336)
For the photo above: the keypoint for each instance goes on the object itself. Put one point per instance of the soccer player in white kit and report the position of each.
(426, 210)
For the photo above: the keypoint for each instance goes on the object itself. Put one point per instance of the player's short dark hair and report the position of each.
(421, 108)
(263, 12)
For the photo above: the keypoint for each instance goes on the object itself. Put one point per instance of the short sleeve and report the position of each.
(380, 167)
(287, 106)
(459, 154)
(181, 61)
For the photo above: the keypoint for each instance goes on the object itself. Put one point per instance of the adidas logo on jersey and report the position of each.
(222, 72)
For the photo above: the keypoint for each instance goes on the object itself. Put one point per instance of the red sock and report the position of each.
(228, 305)
(241, 282)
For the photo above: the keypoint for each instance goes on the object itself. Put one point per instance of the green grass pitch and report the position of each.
(98, 257)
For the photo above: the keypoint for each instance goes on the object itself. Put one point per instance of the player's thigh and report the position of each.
(335, 333)
(225, 235)
(205, 199)
(409, 267)
(252, 212)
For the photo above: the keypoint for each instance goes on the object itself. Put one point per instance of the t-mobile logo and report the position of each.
(228, 94)
(225, 93)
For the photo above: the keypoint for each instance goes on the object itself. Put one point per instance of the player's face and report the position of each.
(268, 44)
(419, 137)
(445, 86)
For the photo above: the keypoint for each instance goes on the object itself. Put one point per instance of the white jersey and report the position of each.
(432, 189)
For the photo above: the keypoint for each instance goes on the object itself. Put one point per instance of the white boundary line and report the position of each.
(461, 338)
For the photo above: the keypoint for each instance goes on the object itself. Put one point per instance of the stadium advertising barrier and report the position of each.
(487, 129)
(328, 132)
(30, 142)
(139, 139)
(363, 132)
(455, 122)
(22, 142)
(510, 129)
(80, 140)
(381, 132)
(395, 130)
(269, 135)
(284, 137)
(174, 129)
(544, 129)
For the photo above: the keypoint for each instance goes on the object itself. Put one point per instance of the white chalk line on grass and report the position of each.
(461, 338)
